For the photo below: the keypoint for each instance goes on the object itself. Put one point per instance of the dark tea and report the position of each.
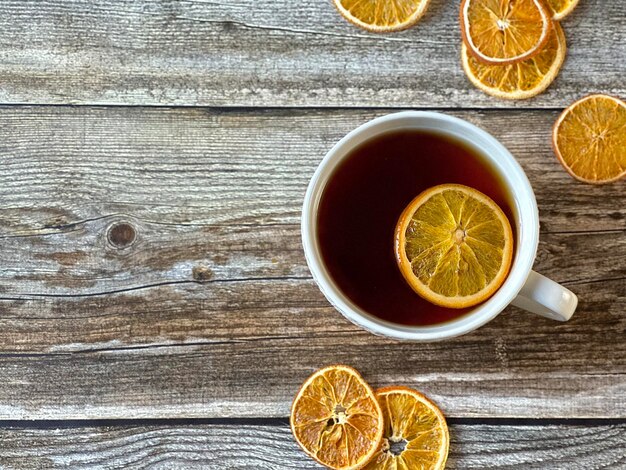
(362, 202)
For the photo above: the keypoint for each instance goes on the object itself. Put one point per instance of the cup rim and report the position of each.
(524, 206)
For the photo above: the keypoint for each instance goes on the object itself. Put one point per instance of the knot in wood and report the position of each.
(201, 273)
(121, 235)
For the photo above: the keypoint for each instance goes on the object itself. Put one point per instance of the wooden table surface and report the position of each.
(156, 309)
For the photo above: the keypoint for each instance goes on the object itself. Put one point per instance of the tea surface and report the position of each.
(360, 207)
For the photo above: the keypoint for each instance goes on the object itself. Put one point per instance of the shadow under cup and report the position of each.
(503, 172)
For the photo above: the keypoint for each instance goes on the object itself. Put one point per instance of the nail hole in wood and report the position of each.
(121, 235)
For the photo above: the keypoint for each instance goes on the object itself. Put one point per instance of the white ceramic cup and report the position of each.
(523, 287)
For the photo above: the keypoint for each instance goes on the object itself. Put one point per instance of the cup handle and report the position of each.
(545, 297)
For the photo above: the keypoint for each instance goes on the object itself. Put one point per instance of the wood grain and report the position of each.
(204, 296)
(242, 350)
(64, 165)
(150, 258)
(481, 447)
(268, 53)
(82, 261)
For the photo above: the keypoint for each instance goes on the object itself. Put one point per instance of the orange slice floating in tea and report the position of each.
(454, 246)
(382, 16)
(523, 79)
(499, 32)
(416, 434)
(336, 418)
(561, 8)
(589, 139)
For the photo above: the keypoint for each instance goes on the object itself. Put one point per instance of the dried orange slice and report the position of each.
(454, 246)
(416, 434)
(336, 418)
(499, 32)
(382, 16)
(520, 80)
(589, 139)
(561, 8)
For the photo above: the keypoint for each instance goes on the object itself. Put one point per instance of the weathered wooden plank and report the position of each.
(222, 308)
(243, 349)
(62, 165)
(83, 260)
(269, 53)
(558, 447)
